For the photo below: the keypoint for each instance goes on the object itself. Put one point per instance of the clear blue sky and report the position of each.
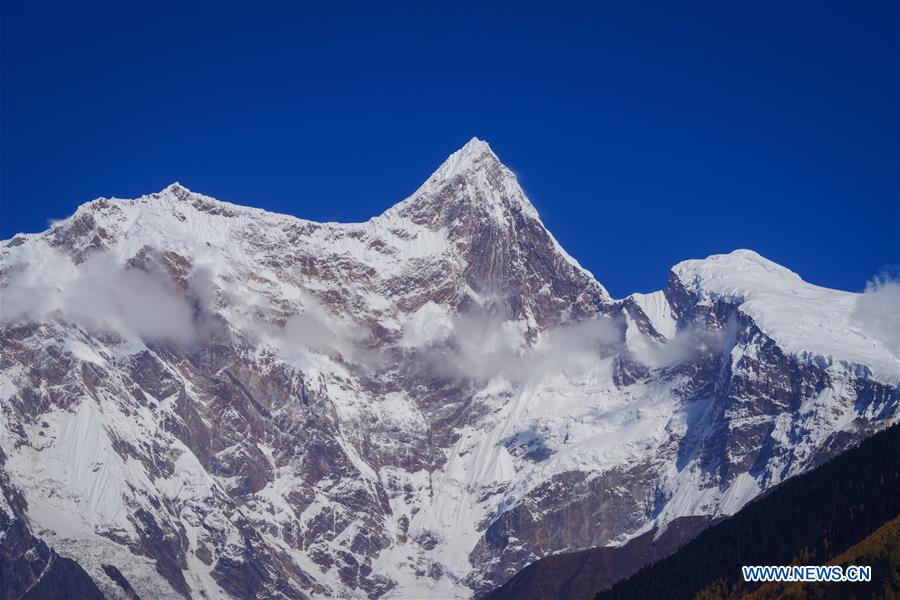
(645, 133)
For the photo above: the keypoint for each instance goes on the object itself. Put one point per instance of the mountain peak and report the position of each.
(476, 203)
(475, 154)
(475, 145)
(175, 189)
(470, 181)
(736, 272)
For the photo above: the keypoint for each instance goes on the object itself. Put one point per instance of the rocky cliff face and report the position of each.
(201, 399)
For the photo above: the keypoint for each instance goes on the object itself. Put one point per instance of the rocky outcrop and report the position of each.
(582, 574)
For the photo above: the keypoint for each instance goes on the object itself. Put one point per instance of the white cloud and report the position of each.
(316, 330)
(577, 347)
(431, 324)
(482, 344)
(104, 295)
(686, 345)
(98, 295)
(877, 311)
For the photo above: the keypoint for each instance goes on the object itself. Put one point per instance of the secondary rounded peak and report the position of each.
(741, 260)
(735, 272)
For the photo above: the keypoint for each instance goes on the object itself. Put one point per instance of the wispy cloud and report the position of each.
(686, 345)
(99, 295)
(481, 344)
(877, 310)
(102, 294)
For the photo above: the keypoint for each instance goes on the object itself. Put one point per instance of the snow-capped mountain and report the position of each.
(200, 399)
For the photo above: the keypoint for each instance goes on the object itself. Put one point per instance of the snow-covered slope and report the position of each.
(209, 399)
(807, 321)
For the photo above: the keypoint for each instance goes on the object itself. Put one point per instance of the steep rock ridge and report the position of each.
(216, 400)
(497, 233)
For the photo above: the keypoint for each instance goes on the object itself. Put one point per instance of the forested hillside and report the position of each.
(881, 551)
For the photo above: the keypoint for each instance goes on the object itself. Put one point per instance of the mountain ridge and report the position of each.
(419, 404)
